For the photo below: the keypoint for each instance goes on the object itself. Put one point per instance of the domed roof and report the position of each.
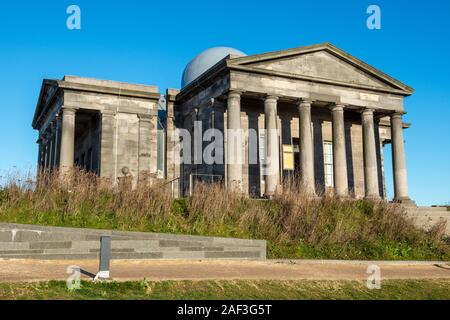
(204, 61)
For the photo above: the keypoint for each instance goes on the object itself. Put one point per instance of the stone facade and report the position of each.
(328, 108)
(104, 127)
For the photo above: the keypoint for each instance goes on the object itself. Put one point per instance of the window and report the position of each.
(83, 161)
(328, 162)
(89, 160)
(288, 157)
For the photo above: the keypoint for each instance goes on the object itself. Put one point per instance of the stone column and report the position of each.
(39, 161)
(339, 152)
(107, 137)
(306, 148)
(57, 148)
(67, 139)
(46, 151)
(49, 150)
(43, 155)
(153, 127)
(52, 146)
(172, 161)
(272, 146)
(234, 142)
(398, 159)
(370, 155)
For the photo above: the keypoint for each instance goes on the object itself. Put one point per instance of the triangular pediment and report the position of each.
(48, 89)
(322, 62)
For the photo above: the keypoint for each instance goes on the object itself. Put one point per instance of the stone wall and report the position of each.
(46, 243)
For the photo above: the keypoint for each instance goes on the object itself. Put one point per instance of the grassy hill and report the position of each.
(294, 225)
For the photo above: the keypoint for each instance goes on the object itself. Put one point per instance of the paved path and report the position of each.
(121, 270)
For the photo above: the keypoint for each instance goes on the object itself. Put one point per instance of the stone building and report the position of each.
(106, 127)
(331, 112)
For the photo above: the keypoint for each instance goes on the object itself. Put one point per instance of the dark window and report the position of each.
(83, 160)
(89, 160)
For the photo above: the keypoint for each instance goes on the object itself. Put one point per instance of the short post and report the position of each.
(105, 257)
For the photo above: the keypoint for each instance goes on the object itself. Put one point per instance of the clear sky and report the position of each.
(151, 41)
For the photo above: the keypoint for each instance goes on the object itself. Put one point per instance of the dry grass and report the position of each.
(295, 225)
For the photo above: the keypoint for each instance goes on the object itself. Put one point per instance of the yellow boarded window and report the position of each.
(288, 157)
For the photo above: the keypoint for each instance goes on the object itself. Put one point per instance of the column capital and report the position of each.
(397, 115)
(367, 111)
(337, 107)
(66, 110)
(270, 97)
(234, 94)
(304, 103)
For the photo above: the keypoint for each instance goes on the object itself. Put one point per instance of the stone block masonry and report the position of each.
(427, 217)
(56, 243)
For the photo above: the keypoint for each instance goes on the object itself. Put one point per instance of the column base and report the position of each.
(406, 201)
(373, 198)
(314, 197)
(344, 197)
(234, 186)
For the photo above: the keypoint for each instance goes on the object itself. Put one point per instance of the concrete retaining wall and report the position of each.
(47, 243)
(427, 217)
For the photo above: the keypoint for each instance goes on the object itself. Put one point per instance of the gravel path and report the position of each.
(121, 270)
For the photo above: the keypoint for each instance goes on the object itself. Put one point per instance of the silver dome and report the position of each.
(204, 61)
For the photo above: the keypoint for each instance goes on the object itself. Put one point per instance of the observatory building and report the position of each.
(332, 114)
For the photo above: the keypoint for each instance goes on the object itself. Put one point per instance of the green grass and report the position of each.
(230, 290)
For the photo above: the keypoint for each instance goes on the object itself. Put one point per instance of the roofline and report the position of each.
(37, 111)
(314, 79)
(239, 63)
(107, 90)
(407, 90)
(97, 88)
(204, 77)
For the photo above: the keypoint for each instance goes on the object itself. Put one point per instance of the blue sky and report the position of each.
(150, 42)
